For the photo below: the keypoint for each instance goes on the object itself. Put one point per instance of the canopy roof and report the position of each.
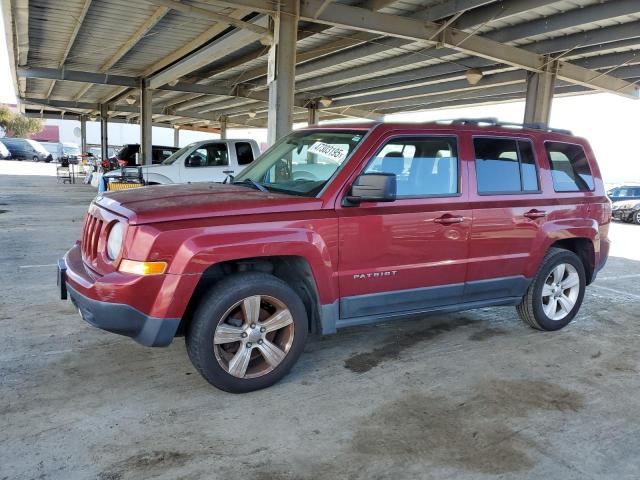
(207, 60)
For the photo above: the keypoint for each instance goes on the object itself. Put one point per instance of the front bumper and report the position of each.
(623, 214)
(118, 317)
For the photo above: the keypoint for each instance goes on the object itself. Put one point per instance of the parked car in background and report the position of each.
(343, 225)
(5, 154)
(627, 211)
(624, 192)
(96, 151)
(128, 155)
(204, 161)
(26, 149)
(63, 151)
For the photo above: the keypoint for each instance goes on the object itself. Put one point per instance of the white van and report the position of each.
(204, 161)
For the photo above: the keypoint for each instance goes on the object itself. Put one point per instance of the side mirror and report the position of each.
(373, 187)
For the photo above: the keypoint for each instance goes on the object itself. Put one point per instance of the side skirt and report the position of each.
(350, 322)
(389, 306)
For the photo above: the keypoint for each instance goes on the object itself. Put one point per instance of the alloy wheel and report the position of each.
(560, 291)
(254, 336)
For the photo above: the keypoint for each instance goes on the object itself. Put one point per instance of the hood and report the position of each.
(162, 203)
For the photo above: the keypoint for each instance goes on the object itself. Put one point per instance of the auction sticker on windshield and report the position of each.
(329, 151)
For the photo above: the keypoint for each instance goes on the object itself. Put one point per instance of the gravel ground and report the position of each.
(470, 395)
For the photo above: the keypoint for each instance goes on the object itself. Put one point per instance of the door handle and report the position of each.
(533, 214)
(448, 219)
(228, 172)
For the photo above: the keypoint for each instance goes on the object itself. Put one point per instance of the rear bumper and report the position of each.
(602, 258)
(94, 299)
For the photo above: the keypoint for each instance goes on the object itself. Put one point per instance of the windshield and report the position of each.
(176, 155)
(70, 150)
(302, 162)
(37, 147)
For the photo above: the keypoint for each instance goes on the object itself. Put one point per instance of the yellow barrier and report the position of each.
(122, 186)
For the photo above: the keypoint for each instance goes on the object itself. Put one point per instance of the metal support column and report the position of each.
(223, 128)
(540, 87)
(281, 74)
(83, 134)
(146, 121)
(314, 114)
(176, 136)
(104, 138)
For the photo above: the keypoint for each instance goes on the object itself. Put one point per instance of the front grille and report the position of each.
(90, 235)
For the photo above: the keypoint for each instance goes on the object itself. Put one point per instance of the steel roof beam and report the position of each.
(207, 54)
(307, 60)
(504, 78)
(404, 27)
(568, 19)
(176, 55)
(493, 11)
(559, 20)
(600, 38)
(131, 42)
(72, 40)
(417, 89)
(398, 106)
(198, 12)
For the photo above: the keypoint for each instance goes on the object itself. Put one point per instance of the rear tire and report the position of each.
(556, 292)
(247, 332)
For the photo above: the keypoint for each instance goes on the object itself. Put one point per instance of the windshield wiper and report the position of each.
(252, 183)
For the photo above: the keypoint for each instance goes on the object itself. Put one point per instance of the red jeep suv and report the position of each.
(345, 225)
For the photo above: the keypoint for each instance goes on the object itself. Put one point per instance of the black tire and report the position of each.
(531, 310)
(636, 217)
(35, 158)
(209, 313)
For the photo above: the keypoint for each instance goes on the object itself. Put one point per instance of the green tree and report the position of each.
(18, 125)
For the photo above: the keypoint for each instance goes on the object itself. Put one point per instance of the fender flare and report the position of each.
(210, 248)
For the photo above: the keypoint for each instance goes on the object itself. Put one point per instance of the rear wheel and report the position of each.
(555, 294)
(247, 332)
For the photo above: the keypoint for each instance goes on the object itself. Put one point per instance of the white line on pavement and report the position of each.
(633, 275)
(632, 295)
(36, 266)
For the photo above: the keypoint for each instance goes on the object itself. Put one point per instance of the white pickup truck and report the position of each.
(204, 161)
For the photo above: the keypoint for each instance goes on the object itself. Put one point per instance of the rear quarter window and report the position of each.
(570, 168)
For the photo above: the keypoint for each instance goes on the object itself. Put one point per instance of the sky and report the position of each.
(610, 122)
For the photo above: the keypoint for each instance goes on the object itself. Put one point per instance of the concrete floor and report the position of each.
(468, 395)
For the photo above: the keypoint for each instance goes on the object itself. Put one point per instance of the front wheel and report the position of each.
(35, 158)
(247, 332)
(636, 217)
(555, 294)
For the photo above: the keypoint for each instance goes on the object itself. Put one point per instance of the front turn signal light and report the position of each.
(142, 268)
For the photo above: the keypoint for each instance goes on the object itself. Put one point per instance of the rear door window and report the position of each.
(570, 169)
(505, 165)
(244, 153)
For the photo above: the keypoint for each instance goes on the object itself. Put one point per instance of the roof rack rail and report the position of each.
(495, 122)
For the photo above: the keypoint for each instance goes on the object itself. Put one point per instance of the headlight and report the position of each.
(114, 242)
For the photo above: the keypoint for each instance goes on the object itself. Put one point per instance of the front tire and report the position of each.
(636, 217)
(247, 332)
(35, 158)
(556, 293)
